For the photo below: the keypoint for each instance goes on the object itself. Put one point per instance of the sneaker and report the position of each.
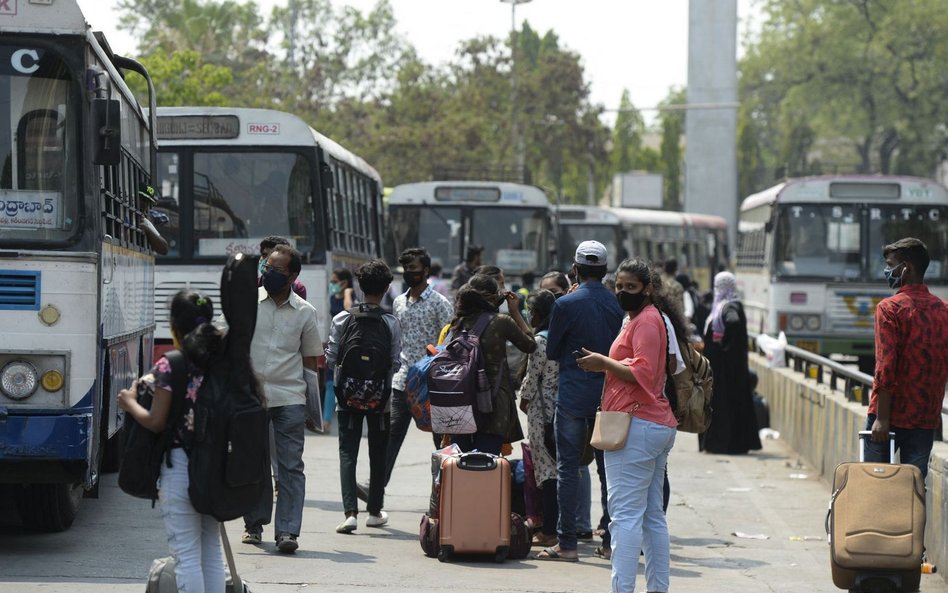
(251, 537)
(348, 526)
(379, 521)
(362, 492)
(287, 543)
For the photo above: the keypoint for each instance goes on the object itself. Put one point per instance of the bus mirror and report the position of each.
(106, 117)
(325, 176)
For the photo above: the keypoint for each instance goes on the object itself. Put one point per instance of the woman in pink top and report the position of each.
(635, 378)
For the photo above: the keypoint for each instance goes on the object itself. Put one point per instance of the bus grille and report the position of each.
(19, 290)
(165, 291)
(852, 311)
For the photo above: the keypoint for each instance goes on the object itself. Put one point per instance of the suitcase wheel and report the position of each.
(445, 553)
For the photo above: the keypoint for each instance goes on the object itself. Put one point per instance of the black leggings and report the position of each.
(551, 509)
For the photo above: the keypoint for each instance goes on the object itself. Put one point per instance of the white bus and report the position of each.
(76, 273)
(229, 177)
(809, 258)
(589, 223)
(511, 221)
(697, 241)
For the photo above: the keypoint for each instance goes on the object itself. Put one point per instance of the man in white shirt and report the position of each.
(286, 339)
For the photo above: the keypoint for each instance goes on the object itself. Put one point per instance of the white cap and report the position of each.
(591, 253)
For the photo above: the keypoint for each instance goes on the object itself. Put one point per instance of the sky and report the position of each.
(639, 45)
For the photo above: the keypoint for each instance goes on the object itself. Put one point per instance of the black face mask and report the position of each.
(631, 301)
(413, 279)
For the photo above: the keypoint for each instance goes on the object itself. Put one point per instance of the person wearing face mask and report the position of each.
(734, 429)
(908, 385)
(341, 298)
(634, 382)
(555, 282)
(285, 340)
(421, 312)
(266, 246)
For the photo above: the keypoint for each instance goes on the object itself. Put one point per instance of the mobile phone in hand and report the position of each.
(578, 353)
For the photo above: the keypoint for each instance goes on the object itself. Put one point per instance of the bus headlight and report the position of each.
(796, 322)
(18, 380)
(813, 323)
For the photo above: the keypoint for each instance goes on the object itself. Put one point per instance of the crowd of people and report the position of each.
(579, 342)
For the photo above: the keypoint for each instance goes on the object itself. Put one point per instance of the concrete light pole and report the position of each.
(516, 137)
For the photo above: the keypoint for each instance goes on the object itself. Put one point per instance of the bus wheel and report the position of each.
(49, 507)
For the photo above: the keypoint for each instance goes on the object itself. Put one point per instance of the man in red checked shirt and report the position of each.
(911, 359)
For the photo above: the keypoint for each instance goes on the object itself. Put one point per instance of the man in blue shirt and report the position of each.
(588, 317)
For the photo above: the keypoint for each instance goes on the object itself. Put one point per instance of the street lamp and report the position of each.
(516, 138)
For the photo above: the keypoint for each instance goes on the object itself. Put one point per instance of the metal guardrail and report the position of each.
(856, 385)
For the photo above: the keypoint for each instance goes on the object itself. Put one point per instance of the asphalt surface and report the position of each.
(749, 523)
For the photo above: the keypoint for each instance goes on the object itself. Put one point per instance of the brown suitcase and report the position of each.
(475, 506)
(876, 523)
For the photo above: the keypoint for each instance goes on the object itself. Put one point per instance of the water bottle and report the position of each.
(485, 404)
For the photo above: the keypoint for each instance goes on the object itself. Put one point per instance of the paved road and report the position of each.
(768, 493)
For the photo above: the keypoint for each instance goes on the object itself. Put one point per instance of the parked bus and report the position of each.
(512, 222)
(589, 223)
(229, 177)
(76, 275)
(697, 241)
(809, 258)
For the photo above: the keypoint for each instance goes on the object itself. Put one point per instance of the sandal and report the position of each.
(551, 554)
(540, 539)
(604, 553)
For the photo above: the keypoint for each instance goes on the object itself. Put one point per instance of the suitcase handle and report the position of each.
(864, 435)
(477, 461)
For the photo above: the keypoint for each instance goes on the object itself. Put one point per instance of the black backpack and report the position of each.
(229, 461)
(143, 450)
(365, 360)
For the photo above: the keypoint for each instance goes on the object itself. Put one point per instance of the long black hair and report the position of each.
(540, 303)
(191, 319)
(646, 274)
(479, 295)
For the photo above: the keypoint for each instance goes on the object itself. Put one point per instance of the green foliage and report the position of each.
(182, 78)
(845, 86)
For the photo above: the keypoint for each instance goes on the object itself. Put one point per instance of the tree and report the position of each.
(185, 79)
(673, 124)
(855, 84)
(627, 136)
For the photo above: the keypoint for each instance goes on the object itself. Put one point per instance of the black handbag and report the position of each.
(144, 450)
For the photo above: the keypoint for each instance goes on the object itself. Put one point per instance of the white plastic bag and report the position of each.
(773, 349)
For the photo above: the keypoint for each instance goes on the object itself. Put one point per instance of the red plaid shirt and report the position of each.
(912, 356)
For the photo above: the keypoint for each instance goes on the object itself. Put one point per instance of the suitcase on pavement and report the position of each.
(475, 506)
(876, 524)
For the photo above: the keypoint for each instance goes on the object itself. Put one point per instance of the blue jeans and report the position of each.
(288, 424)
(636, 475)
(194, 539)
(570, 440)
(584, 501)
(913, 444)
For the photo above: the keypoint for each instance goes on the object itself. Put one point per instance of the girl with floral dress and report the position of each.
(538, 401)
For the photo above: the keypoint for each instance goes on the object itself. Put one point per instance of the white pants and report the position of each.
(194, 539)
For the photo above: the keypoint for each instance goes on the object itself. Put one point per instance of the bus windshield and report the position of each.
(437, 228)
(928, 223)
(238, 199)
(821, 241)
(39, 186)
(571, 235)
(515, 239)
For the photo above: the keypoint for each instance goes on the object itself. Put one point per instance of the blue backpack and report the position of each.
(416, 391)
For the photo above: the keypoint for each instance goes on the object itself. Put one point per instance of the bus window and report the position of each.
(37, 152)
(436, 228)
(238, 198)
(513, 238)
(169, 186)
(928, 223)
(820, 241)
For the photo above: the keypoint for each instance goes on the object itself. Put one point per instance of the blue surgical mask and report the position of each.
(894, 281)
(334, 288)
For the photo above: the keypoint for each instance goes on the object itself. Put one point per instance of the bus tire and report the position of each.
(49, 507)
